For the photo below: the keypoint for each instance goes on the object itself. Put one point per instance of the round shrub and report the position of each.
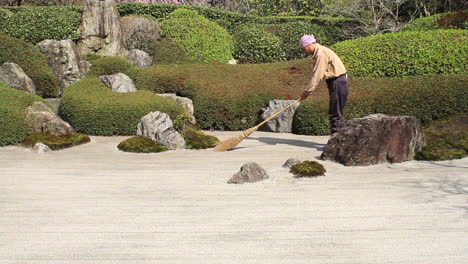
(33, 62)
(5, 14)
(308, 168)
(256, 45)
(92, 108)
(111, 65)
(198, 140)
(13, 105)
(140, 32)
(167, 52)
(202, 40)
(406, 53)
(34, 24)
(56, 142)
(141, 145)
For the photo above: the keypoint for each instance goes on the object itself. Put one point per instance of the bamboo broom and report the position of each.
(234, 141)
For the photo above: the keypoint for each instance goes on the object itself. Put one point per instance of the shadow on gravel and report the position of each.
(292, 142)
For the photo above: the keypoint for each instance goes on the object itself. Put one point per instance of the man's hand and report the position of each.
(304, 95)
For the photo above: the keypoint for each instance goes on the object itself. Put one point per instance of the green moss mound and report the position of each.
(202, 40)
(446, 139)
(255, 45)
(110, 65)
(32, 61)
(34, 24)
(308, 168)
(56, 142)
(92, 108)
(141, 145)
(13, 105)
(198, 140)
(406, 53)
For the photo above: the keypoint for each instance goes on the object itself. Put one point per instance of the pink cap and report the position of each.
(306, 40)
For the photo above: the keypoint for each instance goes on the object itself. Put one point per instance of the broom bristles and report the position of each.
(234, 141)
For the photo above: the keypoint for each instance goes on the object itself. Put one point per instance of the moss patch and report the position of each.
(446, 139)
(308, 168)
(141, 145)
(198, 140)
(56, 142)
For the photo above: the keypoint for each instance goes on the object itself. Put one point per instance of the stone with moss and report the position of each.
(308, 168)
(141, 145)
(198, 140)
(56, 142)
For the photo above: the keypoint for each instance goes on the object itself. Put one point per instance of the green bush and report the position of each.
(198, 140)
(13, 105)
(56, 142)
(454, 20)
(140, 32)
(34, 24)
(256, 45)
(167, 52)
(141, 145)
(92, 108)
(308, 168)
(202, 40)
(5, 14)
(111, 65)
(33, 62)
(406, 54)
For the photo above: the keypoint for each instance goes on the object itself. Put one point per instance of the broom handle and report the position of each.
(275, 115)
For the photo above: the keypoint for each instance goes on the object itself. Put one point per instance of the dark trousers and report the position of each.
(338, 90)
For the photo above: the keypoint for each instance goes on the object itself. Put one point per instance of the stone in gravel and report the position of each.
(159, 127)
(41, 148)
(291, 162)
(249, 172)
(375, 139)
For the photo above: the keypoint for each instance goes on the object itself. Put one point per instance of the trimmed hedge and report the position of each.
(34, 24)
(111, 65)
(13, 105)
(92, 108)
(33, 62)
(406, 53)
(229, 97)
(454, 20)
(202, 40)
(256, 45)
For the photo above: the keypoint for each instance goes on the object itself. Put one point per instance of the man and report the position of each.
(327, 66)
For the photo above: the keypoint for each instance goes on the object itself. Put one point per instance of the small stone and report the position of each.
(233, 61)
(41, 148)
(249, 172)
(291, 162)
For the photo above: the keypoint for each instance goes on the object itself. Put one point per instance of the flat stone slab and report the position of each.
(95, 204)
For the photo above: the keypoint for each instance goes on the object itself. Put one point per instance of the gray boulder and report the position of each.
(291, 162)
(375, 139)
(185, 102)
(283, 122)
(100, 30)
(159, 127)
(118, 82)
(64, 60)
(139, 58)
(41, 148)
(43, 120)
(13, 75)
(249, 172)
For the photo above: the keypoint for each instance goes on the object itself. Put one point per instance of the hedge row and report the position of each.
(32, 61)
(406, 53)
(13, 104)
(454, 20)
(92, 108)
(230, 97)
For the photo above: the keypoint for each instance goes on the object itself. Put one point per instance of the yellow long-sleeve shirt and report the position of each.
(327, 65)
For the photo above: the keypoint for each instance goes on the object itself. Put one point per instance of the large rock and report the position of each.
(185, 102)
(43, 120)
(100, 30)
(375, 139)
(159, 127)
(249, 172)
(283, 122)
(118, 82)
(139, 58)
(64, 60)
(13, 75)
